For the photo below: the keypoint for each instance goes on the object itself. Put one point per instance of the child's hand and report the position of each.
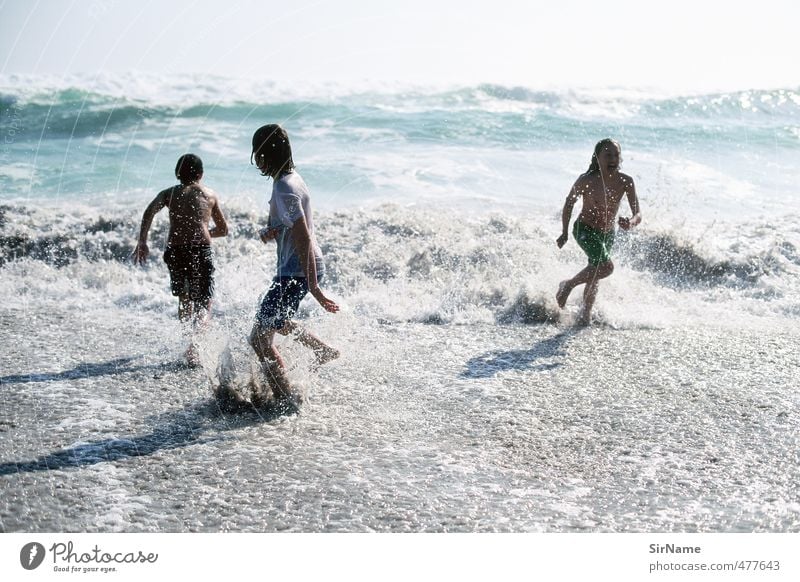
(326, 303)
(140, 254)
(562, 240)
(267, 234)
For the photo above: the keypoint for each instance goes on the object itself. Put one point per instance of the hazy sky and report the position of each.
(678, 44)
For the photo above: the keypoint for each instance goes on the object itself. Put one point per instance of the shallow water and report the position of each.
(442, 428)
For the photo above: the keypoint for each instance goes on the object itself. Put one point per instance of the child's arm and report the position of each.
(633, 201)
(566, 214)
(141, 252)
(220, 224)
(305, 250)
(268, 233)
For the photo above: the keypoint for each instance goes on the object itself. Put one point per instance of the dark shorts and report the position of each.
(281, 301)
(191, 271)
(595, 243)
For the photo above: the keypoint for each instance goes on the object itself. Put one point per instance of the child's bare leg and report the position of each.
(271, 362)
(197, 314)
(185, 308)
(584, 276)
(590, 292)
(202, 315)
(186, 315)
(323, 352)
(589, 295)
(589, 274)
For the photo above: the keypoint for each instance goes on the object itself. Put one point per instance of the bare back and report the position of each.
(190, 210)
(601, 198)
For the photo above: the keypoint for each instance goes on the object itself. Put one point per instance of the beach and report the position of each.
(464, 399)
(462, 402)
(543, 429)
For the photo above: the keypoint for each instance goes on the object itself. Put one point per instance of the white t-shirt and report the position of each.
(291, 201)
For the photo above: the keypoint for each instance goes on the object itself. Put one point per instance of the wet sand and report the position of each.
(416, 428)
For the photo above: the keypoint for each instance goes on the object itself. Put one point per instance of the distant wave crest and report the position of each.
(91, 108)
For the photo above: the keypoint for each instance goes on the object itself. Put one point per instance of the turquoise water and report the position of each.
(116, 139)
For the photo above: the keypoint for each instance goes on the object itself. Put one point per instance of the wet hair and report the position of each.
(594, 165)
(189, 168)
(272, 143)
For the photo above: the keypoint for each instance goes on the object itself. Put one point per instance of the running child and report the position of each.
(602, 188)
(300, 267)
(192, 206)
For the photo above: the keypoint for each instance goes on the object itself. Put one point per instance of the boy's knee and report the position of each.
(256, 337)
(603, 270)
(286, 329)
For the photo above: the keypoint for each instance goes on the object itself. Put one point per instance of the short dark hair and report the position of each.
(189, 168)
(272, 143)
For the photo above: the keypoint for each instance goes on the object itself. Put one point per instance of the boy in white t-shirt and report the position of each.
(300, 266)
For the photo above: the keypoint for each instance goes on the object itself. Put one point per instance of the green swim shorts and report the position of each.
(595, 243)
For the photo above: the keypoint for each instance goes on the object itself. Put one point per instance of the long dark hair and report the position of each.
(594, 166)
(272, 143)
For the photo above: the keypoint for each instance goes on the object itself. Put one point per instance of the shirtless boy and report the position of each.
(188, 252)
(602, 188)
(300, 266)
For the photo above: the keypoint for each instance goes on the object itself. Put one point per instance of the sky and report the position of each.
(681, 45)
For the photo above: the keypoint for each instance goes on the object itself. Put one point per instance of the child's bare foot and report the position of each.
(563, 294)
(259, 396)
(229, 400)
(584, 319)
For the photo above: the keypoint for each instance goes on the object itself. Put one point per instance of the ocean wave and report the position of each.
(679, 263)
(91, 239)
(401, 265)
(746, 105)
(112, 238)
(489, 112)
(530, 310)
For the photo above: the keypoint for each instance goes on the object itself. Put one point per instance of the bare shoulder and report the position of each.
(165, 195)
(166, 192)
(625, 179)
(208, 193)
(582, 183)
